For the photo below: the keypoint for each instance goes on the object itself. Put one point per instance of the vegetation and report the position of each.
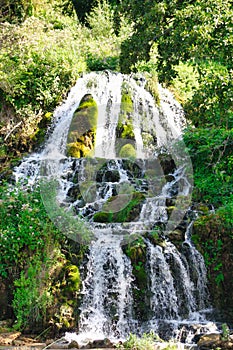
(147, 341)
(187, 46)
(37, 262)
(121, 208)
(42, 53)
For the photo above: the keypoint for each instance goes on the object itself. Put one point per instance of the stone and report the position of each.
(73, 345)
(99, 344)
(127, 151)
(176, 236)
(206, 341)
(82, 131)
(8, 338)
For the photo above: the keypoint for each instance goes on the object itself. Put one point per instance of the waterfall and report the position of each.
(106, 310)
(118, 199)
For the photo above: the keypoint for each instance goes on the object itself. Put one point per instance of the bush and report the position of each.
(210, 151)
(25, 230)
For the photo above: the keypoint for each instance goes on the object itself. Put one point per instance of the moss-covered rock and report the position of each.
(124, 128)
(156, 237)
(176, 236)
(121, 208)
(127, 151)
(82, 131)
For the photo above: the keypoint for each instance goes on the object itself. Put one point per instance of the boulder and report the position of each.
(82, 131)
(208, 341)
(8, 338)
(73, 345)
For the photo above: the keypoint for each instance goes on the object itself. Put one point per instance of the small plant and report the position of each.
(147, 341)
(225, 331)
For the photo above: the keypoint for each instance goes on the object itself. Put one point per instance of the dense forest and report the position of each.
(45, 47)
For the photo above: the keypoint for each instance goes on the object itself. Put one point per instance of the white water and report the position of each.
(107, 308)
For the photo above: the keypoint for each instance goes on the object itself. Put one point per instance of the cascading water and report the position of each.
(103, 188)
(106, 310)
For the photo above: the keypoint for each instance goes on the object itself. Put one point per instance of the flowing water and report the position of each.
(176, 291)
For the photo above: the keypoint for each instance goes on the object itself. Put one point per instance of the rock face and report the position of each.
(82, 131)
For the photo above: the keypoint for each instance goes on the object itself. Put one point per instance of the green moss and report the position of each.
(39, 135)
(127, 151)
(156, 237)
(112, 211)
(126, 103)
(73, 278)
(103, 217)
(125, 126)
(82, 132)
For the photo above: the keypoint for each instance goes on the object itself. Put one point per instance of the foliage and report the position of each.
(84, 7)
(42, 56)
(25, 229)
(201, 33)
(41, 278)
(103, 49)
(31, 300)
(185, 83)
(101, 21)
(147, 341)
(211, 154)
(184, 44)
(38, 67)
(213, 236)
(211, 103)
(198, 30)
(28, 242)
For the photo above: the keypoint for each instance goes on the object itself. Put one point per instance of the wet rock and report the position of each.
(112, 176)
(169, 178)
(176, 236)
(167, 163)
(73, 345)
(82, 131)
(207, 341)
(8, 338)
(99, 344)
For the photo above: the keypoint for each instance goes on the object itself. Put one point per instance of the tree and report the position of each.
(182, 29)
